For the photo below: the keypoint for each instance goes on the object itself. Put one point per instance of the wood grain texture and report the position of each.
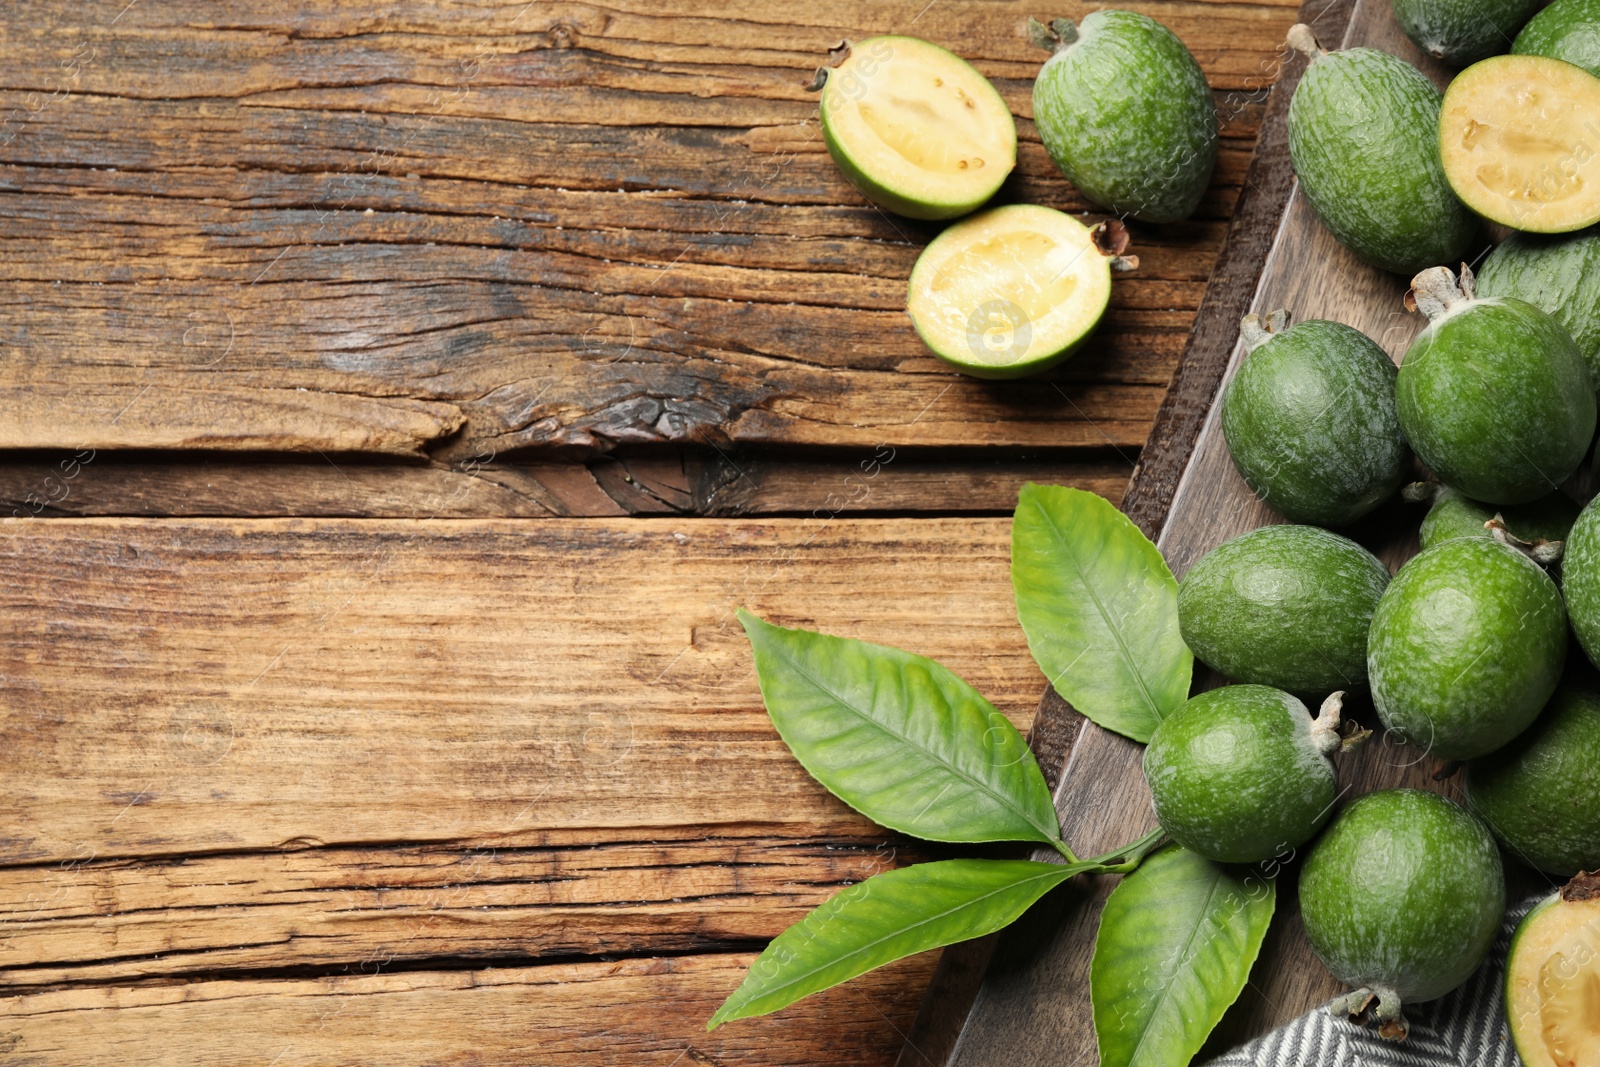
(493, 226)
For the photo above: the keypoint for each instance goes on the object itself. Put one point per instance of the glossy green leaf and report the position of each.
(887, 917)
(1100, 608)
(901, 739)
(1176, 943)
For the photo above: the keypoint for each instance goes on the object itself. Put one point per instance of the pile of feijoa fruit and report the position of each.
(1465, 651)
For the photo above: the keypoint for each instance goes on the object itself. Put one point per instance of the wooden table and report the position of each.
(399, 399)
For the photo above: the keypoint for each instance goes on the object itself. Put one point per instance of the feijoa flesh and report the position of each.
(1538, 793)
(1311, 422)
(1283, 606)
(1580, 569)
(1568, 30)
(1125, 112)
(1519, 137)
(1493, 395)
(1011, 290)
(1559, 275)
(1364, 140)
(1463, 31)
(1242, 774)
(1552, 992)
(1467, 644)
(915, 128)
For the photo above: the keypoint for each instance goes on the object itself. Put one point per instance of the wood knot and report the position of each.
(562, 34)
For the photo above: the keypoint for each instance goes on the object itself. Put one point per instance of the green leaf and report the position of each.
(1100, 609)
(887, 917)
(1176, 943)
(901, 739)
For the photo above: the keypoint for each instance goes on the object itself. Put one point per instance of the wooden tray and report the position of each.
(1032, 1004)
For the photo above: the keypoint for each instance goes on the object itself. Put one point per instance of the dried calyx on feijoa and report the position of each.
(1493, 395)
(1568, 30)
(1125, 111)
(1559, 275)
(914, 127)
(1517, 136)
(1466, 645)
(1401, 897)
(1284, 606)
(1553, 978)
(1542, 525)
(1538, 793)
(1364, 139)
(1243, 774)
(1463, 31)
(1310, 420)
(1015, 289)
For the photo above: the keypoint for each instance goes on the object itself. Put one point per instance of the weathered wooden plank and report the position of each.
(674, 482)
(280, 232)
(627, 1012)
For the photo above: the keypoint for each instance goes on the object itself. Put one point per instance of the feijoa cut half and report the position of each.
(1568, 30)
(1553, 978)
(1125, 112)
(1013, 290)
(1463, 31)
(1401, 896)
(1520, 141)
(1310, 420)
(915, 128)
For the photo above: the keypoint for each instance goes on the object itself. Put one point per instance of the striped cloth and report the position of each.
(1464, 1029)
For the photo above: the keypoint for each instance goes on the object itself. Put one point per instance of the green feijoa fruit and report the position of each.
(1364, 139)
(1285, 606)
(1518, 139)
(1012, 290)
(1311, 423)
(1580, 579)
(1242, 774)
(1125, 111)
(1547, 519)
(1463, 31)
(1494, 395)
(1568, 30)
(915, 128)
(1538, 793)
(1466, 645)
(1402, 897)
(1559, 275)
(1552, 973)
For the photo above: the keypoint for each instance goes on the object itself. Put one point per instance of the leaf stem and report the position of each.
(1061, 847)
(1131, 854)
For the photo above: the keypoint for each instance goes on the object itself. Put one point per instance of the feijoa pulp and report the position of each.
(1552, 993)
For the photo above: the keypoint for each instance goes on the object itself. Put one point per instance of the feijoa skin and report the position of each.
(1494, 395)
(1552, 971)
(1463, 31)
(1549, 518)
(1283, 606)
(1466, 646)
(1559, 275)
(1402, 897)
(1125, 112)
(1364, 140)
(1580, 570)
(1311, 422)
(1568, 30)
(1242, 774)
(1538, 793)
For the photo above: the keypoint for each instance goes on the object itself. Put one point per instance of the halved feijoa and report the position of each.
(1520, 140)
(1567, 29)
(1463, 31)
(1364, 139)
(915, 128)
(1012, 290)
(1553, 979)
(1125, 111)
(1559, 275)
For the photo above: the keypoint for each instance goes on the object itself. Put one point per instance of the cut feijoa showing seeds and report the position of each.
(1567, 30)
(1012, 290)
(1553, 979)
(1463, 31)
(1520, 140)
(1559, 275)
(1125, 111)
(1364, 139)
(916, 128)
(1311, 423)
